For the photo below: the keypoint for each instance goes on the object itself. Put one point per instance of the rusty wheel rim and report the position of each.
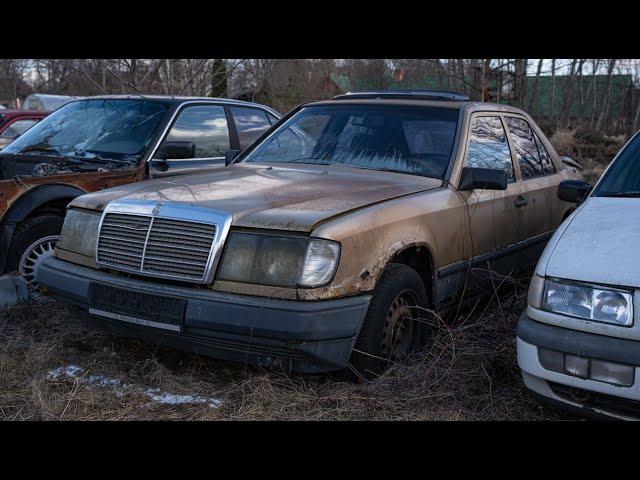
(399, 327)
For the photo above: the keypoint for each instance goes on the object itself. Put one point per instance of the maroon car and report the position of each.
(15, 122)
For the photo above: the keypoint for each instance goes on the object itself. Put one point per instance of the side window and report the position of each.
(547, 165)
(206, 126)
(250, 123)
(488, 147)
(18, 128)
(272, 119)
(525, 146)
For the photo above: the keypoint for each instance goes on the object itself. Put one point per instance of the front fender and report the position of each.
(373, 236)
(32, 199)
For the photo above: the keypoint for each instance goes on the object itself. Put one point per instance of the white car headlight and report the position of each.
(590, 302)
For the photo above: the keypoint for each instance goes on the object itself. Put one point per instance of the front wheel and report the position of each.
(34, 240)
(394, 326)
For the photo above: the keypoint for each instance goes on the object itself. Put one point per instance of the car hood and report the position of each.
(286, 197)
(599, 244)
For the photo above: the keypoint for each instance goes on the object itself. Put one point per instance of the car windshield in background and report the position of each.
(415, 140)
(623, 177)
(115, 130)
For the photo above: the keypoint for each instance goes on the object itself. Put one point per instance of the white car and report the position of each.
(579, 338)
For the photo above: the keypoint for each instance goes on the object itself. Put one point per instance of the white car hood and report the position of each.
(599, 243)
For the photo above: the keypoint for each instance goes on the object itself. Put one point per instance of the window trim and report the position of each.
(498, 115)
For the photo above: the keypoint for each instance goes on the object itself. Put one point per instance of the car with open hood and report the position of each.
(94, 143)
(579, 338)
(330, 241)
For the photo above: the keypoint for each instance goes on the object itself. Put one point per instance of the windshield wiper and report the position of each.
(631, 194)
(40, 149)
(98, 159)
(307, 161)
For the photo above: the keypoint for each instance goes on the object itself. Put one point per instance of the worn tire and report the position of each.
(28, 232)
(397, 278)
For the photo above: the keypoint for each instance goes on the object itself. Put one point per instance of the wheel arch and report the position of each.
(45, 197)
(419, 256)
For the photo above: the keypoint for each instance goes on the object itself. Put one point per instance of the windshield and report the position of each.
(623, 177)
(416, 140)
(117, 130)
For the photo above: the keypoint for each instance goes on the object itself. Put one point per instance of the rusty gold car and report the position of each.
(325, 244)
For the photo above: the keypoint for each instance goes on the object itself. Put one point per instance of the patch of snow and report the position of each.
(157, 396)
(171, 399)
(68, 371)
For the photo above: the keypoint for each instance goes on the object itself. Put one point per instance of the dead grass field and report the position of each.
(468, 373)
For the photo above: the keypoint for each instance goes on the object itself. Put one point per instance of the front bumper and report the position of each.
(298, 336)
(593, 398)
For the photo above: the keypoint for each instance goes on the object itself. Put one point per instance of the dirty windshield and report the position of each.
(415, 140)
(114, 130)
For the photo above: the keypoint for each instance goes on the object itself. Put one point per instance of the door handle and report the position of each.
(521, 201)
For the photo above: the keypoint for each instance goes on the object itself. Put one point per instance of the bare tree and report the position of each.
(604, 111)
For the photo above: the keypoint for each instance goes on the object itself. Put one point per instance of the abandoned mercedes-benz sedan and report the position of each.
(327, 242)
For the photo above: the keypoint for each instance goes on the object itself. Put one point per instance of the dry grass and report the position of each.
(468, 373)
(593, 151)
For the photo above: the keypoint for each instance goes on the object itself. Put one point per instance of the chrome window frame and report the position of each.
(222, 102)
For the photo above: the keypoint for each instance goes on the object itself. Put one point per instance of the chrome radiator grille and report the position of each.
(157, 246)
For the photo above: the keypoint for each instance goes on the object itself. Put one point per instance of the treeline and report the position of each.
(593, 94)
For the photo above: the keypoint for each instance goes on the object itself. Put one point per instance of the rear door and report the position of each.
(540, 178)
(540, 181)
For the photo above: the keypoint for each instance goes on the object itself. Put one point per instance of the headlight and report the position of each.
(589, 302)
(278, 260)
(80, 232)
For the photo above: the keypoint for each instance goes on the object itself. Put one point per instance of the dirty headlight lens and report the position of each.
(591, 303)
(80, 232)
(275, 260)
(320, 262)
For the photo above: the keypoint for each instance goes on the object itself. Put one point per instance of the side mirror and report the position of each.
(482, 178)
(573, 191)
(176, 150)
(230, 156)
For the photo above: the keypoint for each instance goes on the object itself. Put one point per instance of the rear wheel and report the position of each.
(34, 240)
(393, 327)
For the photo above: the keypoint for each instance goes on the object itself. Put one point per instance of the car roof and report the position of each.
(177, 99)
(424, 98)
